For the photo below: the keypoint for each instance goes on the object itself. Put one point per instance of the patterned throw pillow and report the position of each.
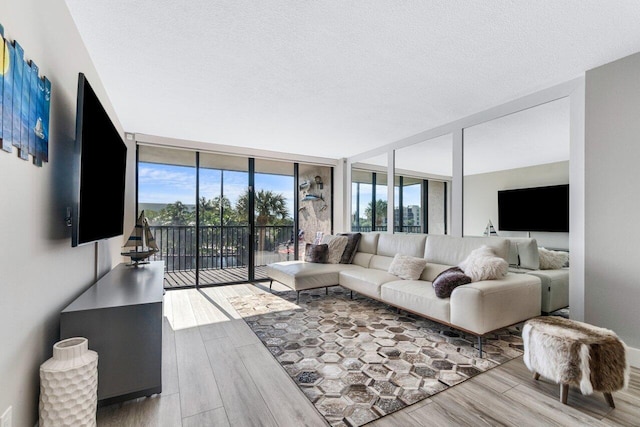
(353, 239)
(407, 267)
(448, 280)
(336, 247)
(316, 253)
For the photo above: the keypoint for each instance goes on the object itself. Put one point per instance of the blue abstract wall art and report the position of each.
(25, 104)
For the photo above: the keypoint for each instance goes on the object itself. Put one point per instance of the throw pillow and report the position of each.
(316, 253)
(552, 260)
(336, 247)
(448, 280)
(483, 264)
(407, 267)
(353, 239)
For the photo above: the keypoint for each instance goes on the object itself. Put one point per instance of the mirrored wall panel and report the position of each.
(369, 195)
(423, 174)
(516, 175)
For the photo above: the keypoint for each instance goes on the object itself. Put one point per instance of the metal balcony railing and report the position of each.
(220, 246)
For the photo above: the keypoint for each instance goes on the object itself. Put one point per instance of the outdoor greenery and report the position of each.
(381, 213)
(270, 209)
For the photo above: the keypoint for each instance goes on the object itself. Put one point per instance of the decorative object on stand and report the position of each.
(304, 185)
(25, 101)
(69, 385)
(489, 230)
(143, 242)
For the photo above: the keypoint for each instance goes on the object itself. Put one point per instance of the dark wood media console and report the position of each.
(121, 316)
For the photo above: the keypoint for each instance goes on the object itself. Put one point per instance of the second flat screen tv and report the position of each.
(534, 209)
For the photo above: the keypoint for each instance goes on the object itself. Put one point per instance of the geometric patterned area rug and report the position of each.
(359, 360)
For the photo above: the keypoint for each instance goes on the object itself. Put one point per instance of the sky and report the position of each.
(159, 183)
(411, 196)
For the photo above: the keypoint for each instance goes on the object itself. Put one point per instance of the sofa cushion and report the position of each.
(448, 280)
(483, 264)
(353, 239)
(432, 270)
(523, 253)
(417, 296)
(337, 245)
(404, 244)
(555, 288)
(316, 253)
(365, 281)
(407, 267)
(380, 262)
(362, 259)
(369, 243)
(452, 250)
(300, 275)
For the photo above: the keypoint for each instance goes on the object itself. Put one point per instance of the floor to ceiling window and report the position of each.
(220, 218)
(274, 214)
(167, 194)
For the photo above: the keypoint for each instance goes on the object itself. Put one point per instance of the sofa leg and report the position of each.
(480, 346)
(326, 290)
(351, 295)
(536, 376)
(270, 284)
(297, 297)
(609, 399)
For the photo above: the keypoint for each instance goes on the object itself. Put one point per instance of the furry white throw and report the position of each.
(483, 264)
(552, 260)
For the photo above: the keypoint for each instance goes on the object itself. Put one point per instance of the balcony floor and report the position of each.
(182, 278)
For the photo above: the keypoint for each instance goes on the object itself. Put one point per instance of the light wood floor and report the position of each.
(216, 372)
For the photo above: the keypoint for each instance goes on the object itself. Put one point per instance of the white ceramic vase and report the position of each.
(69, 385)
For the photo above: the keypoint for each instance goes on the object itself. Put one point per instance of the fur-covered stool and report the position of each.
(575, 353)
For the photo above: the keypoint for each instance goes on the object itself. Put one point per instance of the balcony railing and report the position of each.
(220, 246)
(397, 229)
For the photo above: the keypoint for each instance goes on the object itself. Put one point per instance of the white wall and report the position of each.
(612, 206)
(481, 198)
(40, 273)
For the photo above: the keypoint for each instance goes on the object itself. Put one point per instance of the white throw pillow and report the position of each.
(552, 260)
(407, 267)
(483, 264)
(336, 244)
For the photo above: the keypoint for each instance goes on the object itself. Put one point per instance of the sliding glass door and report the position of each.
(167, 194)
(274, 214)
(223, 219)
(220, 219)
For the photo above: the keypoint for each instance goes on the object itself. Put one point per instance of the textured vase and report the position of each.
(69, 385)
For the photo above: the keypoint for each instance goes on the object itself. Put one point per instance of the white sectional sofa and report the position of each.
(477, 308)
(524, 258)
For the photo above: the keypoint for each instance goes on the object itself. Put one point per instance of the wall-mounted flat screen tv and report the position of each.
(100, 163)
(534, 209)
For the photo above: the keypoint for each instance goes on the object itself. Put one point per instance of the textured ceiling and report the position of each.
(335, 78)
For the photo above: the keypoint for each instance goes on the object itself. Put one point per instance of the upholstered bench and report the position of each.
(569, 352)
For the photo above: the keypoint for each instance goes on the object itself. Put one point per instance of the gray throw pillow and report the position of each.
(353, 239)
(316, 253)
(448, 280)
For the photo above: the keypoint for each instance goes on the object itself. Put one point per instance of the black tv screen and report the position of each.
(534, 209)
(101, 159)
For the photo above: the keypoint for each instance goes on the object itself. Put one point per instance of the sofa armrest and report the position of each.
(484, 306)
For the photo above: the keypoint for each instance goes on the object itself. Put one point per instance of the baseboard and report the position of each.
(634, 356)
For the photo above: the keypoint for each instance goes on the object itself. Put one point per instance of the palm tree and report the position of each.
(269, 208)
(381, 212)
